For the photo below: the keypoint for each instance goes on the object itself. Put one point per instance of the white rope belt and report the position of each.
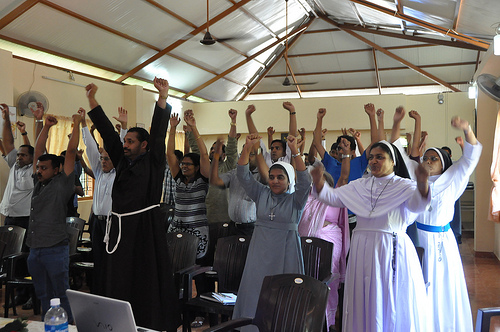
(120, 215)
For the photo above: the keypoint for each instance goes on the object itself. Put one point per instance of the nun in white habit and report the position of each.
(275, 245)
(384, 289)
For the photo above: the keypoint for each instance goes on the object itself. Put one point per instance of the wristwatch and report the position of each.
(345, 156)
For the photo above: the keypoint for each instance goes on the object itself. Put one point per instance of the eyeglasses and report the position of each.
(104, 158)
(183, 163)
(433, 159)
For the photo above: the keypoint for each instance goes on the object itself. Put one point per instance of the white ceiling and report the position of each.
(341, 45)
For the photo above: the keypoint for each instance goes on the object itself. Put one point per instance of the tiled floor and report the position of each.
(482, 272)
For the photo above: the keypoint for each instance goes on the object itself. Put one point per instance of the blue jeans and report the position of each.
(49, 268)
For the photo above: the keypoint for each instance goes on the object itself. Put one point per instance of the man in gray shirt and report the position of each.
(241, 208)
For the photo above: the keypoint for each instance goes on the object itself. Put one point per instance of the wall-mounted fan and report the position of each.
(490, 85)
(27, 102)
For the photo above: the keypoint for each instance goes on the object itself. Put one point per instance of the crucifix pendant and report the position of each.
(271, 216)
(370, 213)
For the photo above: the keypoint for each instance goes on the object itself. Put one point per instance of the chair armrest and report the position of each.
(230, 325)
(187, 279)
(10, 261)
(331, 278)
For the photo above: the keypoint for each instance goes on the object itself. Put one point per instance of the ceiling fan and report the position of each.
(207, 38)
(287, 81)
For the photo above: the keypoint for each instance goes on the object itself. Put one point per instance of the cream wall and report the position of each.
(212, 118)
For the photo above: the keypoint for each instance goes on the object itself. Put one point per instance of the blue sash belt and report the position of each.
(434, 229)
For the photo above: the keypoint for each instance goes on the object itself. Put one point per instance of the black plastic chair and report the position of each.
(483, 320)
(317, 258)
(182, 248)
(229, 263)
(13, 236)
(216, 231)
(287, 302)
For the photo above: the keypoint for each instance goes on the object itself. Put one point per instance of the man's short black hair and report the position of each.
(335, 147)
(283, 144)
(142, 134)
(31, 150)
(54, 160)
(351, 140)
(223, 147)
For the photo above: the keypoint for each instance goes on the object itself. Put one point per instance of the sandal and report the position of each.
(198, 322)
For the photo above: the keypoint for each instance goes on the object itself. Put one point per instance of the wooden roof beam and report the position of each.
(447, 32)
(294, 80)
(395, 57)
(357, 50)
(182, 40)
(377, 74)
(238, 65)
(16, 12)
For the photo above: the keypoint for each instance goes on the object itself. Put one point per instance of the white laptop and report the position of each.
(94, 313)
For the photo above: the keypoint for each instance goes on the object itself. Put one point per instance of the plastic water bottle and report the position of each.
(56, 318)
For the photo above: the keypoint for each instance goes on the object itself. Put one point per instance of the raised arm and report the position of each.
(215, 180)
(171, 158)
(345, 146)
(187, 130)
(416, 133)
(21, 126)
(42, 140)
(38, 118)
(204, 161)
(123, 118)
(292, 126)
(357, 136)
(69, 159)
(162, 86)
(92, 149)
(317, 134)
(294, 149)
(232, 115)
(270, 134)
(422, 177)
(232, 144)
(302, 140)
(251, 140)
(381, 126)
(370, 110)
(8, 138)
(461, 124)
(86, 168)
(396, 123)
(248, 115)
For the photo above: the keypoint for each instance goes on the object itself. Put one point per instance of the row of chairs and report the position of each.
(230, 254)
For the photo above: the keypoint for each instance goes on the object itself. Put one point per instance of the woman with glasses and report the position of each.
(191, 176)
(443, 271)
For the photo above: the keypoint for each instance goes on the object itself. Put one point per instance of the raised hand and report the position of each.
(323, 133)
(270, 131)
(292, 143)
(82, 113)
(232, 114)
(190, 120)
(302, 132)
(370, 109)
(91, 90)
(399, 114)
(218, 146)
(238, 135)
(122, 116)
(289, 106)
(344, 131)
(186, 128)
(5, 110)
(117, 126)
(77, 119)
(38, 111)
(459, 123)
(162, 86)
(380, 114)
(174, 120)
(51, 121)
(354, 133)
(79, 154)
(250, 109)
(345, 146)
(21, 126)
(321, 113)
(251, 140)
(414, 115)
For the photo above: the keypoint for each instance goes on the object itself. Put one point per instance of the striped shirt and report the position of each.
(190, 208)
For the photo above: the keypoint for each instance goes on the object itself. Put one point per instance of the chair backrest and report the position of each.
(216, 231)
(292, 303)
(229, 261)
(13, 236)
(317, 257)
(182, 249)
(484, 316)
(73, 234)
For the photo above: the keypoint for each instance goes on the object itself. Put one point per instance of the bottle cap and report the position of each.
(55, 302)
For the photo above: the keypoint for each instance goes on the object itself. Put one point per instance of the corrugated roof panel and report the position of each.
(479, 17)
(179, 74)
(7, 6)
(244, 73)
(223, 91)
(334, 62)
(402, 77)
(131, 17)
(195, 11)
(77, 39)
(326, 41)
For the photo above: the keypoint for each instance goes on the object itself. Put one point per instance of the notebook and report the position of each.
(94, 313)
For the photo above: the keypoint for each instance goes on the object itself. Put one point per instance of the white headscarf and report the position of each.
(290, 173)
